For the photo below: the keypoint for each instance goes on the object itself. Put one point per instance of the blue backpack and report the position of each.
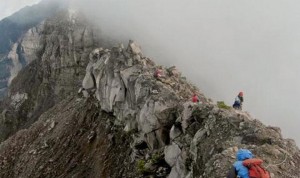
(242, 171)
(236, 104)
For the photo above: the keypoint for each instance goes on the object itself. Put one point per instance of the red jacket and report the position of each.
(158, 73)
(195, 99)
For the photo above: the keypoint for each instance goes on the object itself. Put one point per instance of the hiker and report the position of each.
(158, 73)
(238, 101)
(195, 99)
(247, 167)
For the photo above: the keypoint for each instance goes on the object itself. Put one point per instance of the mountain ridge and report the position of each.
(84, 108)
(124, 113)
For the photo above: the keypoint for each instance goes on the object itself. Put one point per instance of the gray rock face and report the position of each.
(172, 153)
(199, 140)
(126, 91)
(56, 54)
(16, 64)
(24, 51)
(18, 34)
(18, 99)
(30, 43)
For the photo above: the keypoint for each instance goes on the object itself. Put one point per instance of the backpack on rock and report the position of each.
(256, 170)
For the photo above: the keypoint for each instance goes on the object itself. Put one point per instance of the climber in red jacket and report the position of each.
(195, 99)
(158, 73)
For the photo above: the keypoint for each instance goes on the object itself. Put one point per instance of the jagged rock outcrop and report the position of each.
(24, 51)
(18, 34)
(147, 124)
(124, 86)
(56, 54)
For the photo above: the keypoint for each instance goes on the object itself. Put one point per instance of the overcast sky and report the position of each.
(8, 7)
(222, 46)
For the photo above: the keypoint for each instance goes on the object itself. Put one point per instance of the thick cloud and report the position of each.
(221, 46)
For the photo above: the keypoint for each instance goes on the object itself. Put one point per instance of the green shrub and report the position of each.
(141, 166)
(183, 78)
(222, 105)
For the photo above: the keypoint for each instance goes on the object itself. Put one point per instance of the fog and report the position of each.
(221, 46)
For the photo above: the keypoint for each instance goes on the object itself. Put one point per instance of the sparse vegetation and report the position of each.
(141, 166)
(183, 78)
(222, 105)
(156, 158)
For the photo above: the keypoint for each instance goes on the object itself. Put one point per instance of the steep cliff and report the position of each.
(19, 33)
(124, 122)
(56, 53)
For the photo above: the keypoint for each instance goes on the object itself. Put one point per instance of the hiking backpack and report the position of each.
(256, 170)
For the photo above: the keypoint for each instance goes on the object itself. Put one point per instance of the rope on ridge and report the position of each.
(277, 164)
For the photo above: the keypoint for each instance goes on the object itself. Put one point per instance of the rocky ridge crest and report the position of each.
(123, 114)
(160, 111)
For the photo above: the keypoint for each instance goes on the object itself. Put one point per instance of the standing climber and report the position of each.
(238, 101)
(195, 98)
(158, 73)
(247, 167)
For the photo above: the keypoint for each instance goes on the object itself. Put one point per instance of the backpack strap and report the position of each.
(252, 161)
